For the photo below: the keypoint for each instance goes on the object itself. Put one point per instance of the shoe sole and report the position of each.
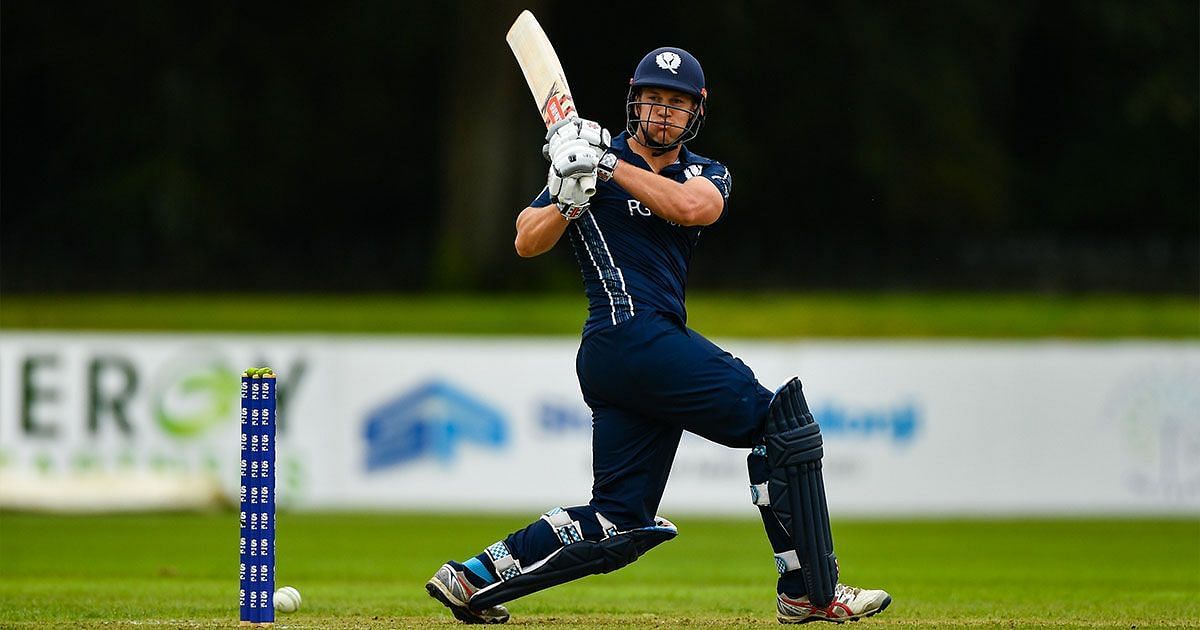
(886, 602)
(460, 612)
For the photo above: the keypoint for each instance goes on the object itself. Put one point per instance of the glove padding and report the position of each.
(568, 191)
(574, 146)
(575, 159)
(576, 129)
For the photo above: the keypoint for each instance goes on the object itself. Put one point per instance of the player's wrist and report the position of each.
(606, 167)
(571, 212)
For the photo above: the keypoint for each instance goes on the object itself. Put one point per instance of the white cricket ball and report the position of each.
(287, 599)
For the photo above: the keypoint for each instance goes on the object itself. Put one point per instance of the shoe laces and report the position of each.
(844, 593)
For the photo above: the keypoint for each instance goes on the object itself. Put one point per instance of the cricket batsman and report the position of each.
(647, 377)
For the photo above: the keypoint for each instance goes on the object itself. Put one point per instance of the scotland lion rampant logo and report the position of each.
(668, 61)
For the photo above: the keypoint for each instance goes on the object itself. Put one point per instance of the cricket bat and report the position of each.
(545, 77)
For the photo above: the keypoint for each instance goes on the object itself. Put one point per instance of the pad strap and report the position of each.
(507, 567)
(567, 530)
(787, 561)
(759, 494)
(758, 491)
(606, 526)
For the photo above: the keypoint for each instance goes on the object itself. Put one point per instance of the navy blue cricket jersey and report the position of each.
(632, 260)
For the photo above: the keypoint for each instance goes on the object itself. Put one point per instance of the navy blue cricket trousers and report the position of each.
(647, 380)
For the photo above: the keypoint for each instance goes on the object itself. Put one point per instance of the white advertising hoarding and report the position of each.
(498, 424)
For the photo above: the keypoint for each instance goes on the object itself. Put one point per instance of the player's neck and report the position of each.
(656, 162)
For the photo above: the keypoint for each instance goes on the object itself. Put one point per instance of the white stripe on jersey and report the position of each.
(624, 289)
(599, 274)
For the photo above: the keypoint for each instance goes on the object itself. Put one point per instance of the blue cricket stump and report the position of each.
(256, 571)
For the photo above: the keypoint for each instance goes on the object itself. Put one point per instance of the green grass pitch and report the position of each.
(358, 570)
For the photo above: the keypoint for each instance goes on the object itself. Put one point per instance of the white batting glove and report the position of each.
(575, 158)
(577, 129)
(572, 199)
(568, 141)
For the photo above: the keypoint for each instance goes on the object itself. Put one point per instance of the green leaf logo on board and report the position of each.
(195, 394)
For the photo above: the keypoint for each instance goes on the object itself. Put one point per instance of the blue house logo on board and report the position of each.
(899, 424)
(432, 420)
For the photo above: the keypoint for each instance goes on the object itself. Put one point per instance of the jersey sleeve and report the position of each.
(542, 200)
(718, 174)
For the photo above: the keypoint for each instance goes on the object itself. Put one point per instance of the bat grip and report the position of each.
(587, 184)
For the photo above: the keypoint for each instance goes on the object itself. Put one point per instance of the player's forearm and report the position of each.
(538, 229)
(669, 199)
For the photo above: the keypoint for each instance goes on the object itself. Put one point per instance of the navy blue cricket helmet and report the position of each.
(673, 68)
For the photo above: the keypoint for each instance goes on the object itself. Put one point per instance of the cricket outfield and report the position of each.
(748, 315)
(359, 570)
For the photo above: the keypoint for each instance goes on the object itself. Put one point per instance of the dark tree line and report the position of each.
(388, 146)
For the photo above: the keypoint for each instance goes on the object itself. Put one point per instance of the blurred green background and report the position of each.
(382, 147)
(764, 315)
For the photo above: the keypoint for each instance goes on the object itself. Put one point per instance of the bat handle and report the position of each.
(587, 184)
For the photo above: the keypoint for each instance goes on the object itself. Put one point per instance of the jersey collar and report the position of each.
(621, 145)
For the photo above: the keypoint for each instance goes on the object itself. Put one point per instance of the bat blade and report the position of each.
(543, 72)
(545, 77)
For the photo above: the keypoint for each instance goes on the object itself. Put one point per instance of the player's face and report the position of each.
(661, 115)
